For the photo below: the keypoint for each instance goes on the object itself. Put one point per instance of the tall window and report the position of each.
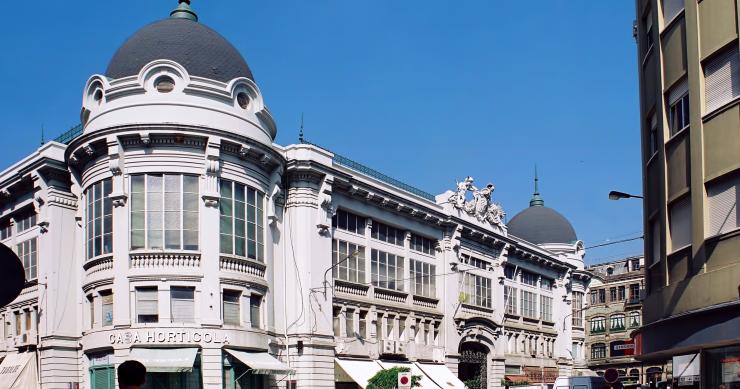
(182, 304)
(529, 304)
(475, 262)
(671, 8)
(231, 307)
(598, 351)
(546, 283)
(255, 304)
(616, 322)
(510, 298)
(546, 308)
(422, 244)
(25, 221)
(679, 220)
(722, 196)
(509, 272)
(387, 233)
(242, 228)
(423, 279)
(577, 309)
(351, 259)
(634, 292)
(529, 278)
(635, 319)
(6, 230)
(722, 78)
(147, 305)
(107, 307)
(349, 326)
(678, 114)
(621, 293)
(99, 218)
(386, 270)
(654, 241)
(653, 141)
(598, 324)
(27, 253)
(347, 221)
(647, 23)
(602, 296)
(164, 212)
(477, 290)
(612, 294)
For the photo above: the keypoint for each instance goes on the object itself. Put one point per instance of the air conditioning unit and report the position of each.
(401, 348)
(388, 347)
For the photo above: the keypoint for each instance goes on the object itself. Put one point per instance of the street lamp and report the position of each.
(616, 195)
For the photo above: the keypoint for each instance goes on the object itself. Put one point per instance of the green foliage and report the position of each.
(388, 378)
(514, 383)
(473, 383)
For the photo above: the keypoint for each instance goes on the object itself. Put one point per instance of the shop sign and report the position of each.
(175, 337)
(534, 374)
(621, 348)
(730, 369)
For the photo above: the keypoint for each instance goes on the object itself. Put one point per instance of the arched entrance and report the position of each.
(473, 365)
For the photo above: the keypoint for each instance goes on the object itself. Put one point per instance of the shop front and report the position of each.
(170, 368)
(251, 370)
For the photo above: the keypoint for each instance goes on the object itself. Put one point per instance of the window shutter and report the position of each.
(146, 302)
(671, 8)
(678, 90)
(722, 79)
(722, 201)
(680, 223)
(182, 304)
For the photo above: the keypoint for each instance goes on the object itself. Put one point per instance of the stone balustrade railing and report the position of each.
(165, 259)
(98, 264)
(425, 302)
(351, 288)
(393, 296)
(241, 265)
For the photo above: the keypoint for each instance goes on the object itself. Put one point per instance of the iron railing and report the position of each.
(69, 135)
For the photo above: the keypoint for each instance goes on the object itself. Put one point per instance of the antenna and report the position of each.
(42, 134)
(300, 131)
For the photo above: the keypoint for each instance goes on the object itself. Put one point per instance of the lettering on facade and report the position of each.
(131, 337)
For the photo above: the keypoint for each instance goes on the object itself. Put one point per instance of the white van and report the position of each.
(580, 383)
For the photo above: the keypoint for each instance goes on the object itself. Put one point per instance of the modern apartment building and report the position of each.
(689, 70)
(170, 228)
(613, 313)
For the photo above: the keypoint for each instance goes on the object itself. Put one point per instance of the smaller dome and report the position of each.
(539, 225)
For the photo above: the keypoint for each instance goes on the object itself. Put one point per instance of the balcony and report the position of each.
(392, 296)
(242, 265)
(598, 331)
(158, 260)
(425, 302)
(350, 288)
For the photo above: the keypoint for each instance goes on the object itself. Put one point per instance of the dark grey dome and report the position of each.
(539, 224)
(202, 51)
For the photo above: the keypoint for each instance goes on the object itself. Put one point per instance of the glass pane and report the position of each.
(137, 184)
(137, 220)
(172, 239)
(108, 224)
(226, 227)
(226, 189)
(154, 183)
(239, 193)
(239, 228)
(240, 246)
(250, 196)
(190, 240)
(190, 184)
(155, 239)
(190, 220)
(190, 202)
(154, 201)
(154, 220)
(239, 210)
(137, 202)
(107, 243)
(252, 250)
(172, 220)
(250, 213)
(172, 201)
(137, 239)
(226, 207)
(226, 244)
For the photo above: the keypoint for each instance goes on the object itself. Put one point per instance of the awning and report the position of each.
(18, 371)
(359, 371)
(425, 382)
(441, 375)
(516, 377)
(165, 360)
(261, 363)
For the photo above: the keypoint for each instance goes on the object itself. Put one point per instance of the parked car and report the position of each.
(583, 383)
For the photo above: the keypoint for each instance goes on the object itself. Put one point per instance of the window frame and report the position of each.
(99, 218)
(375, 270)
(256, 226)
(235, 304)
(422, 276)
(346, 266)
(174, 300)
(154, 318)
(27, 252)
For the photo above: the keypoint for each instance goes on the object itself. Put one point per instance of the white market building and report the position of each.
(171, 229)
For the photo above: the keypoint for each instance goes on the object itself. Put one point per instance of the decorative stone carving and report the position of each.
(145, 138)
(244, 150)
(73, 159)
(480, 206)
(88, 149)
(4, 193)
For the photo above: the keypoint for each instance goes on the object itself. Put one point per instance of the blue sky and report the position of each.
(424, 91)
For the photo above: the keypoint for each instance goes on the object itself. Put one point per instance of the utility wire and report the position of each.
(616, 242)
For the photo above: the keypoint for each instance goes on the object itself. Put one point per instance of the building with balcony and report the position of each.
(169, 228)
(613, 313)
(689, 73)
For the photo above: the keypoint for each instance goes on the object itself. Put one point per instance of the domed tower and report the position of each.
(176, 173)
(546, 227)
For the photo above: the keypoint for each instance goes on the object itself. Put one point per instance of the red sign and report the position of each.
(611, 375)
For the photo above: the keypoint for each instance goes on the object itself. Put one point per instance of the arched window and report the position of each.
(598, 324)
(598, 351)
(616, 322)
(635, 319)
(634, 373)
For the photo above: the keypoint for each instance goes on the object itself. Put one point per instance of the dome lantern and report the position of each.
(183, 11)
